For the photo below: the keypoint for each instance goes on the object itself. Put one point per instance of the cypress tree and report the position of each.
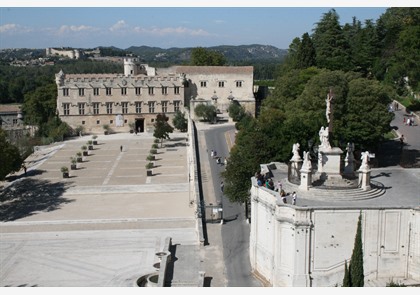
(347, 279)
(357, 277)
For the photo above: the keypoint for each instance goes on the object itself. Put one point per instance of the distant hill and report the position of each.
(234, 54)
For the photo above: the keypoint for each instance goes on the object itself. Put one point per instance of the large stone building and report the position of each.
(133, 99)
(219, 86)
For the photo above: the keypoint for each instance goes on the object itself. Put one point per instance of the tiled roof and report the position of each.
(10, 108)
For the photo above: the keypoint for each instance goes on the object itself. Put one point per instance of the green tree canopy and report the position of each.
(207, 112)
(180, 122)
(203, 57)
(332, 49)
(10, 158)
(236, 111)
(162, 128)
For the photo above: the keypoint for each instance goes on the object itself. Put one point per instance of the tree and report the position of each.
(366, 97)
(236, 111)
(357, 277)
(306, 54)
(346, 280)
(332, 50)
(203, 57)
(207, 112)
(10, 158)
(180, 122)
(162, 128)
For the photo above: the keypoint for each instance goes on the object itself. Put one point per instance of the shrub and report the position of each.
(153, 151)
(149, 165)
(64, 169)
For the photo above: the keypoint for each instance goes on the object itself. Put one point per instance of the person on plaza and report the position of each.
(225, 161)
(212, 153)
(279, 186)
(402, 140)
(121, 148)
(24, 168)
(283, 196)
(218, 160)
(222, 186)
(404, 121)
(294, 198)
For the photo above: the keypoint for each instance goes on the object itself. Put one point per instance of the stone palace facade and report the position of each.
(133, 99)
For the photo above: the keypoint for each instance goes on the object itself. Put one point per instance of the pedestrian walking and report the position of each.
(222, 187)
(225, 161)
(24, 168)
(121, 148)
(402, 140)
(294, 198)
(212, 153)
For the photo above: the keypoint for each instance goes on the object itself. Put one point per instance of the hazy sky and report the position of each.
(163, 26)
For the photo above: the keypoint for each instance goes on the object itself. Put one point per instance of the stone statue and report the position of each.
(295, 151)
(307, 165)
(328, 102)
(324, 137)
(365, 159)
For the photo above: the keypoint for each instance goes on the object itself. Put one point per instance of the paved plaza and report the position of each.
(101, 226)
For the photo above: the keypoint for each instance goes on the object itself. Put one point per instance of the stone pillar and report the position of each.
(305, 179)
(364, 178)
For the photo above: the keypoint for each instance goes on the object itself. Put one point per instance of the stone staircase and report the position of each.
(343, 193)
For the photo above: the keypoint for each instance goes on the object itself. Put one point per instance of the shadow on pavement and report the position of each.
(26, 197)
(391, 153)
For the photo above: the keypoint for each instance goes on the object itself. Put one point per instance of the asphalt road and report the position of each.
(235, 230)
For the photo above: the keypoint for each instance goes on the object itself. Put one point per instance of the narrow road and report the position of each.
(235, 230)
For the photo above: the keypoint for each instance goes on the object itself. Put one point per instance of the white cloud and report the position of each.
(75, 29)
(13, 28)
(120, 25)
(169, 31)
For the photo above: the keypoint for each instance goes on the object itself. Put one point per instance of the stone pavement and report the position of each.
(104, 224)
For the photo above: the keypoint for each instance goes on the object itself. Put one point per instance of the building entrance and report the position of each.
(140, 125)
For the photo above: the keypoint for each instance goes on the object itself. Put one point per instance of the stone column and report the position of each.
(305, 179)
(364, 177)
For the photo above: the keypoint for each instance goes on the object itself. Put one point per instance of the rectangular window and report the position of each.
(65, 92)
(151, 90)
(83, 122)
(124, 107)
(98, 122)
(14, 121)
(66, 109)
(203, 83)
(81, 108)
(164, 90)
(177, 103)
(176, 89)
(238, 83)
(109, 107)
(138, 90)
(138, 107)
(96, 108)
(108, 90)
(221, 84)
(96, 91)
(151, 107)
(164, 106)
(124, 91)
(81, 91)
